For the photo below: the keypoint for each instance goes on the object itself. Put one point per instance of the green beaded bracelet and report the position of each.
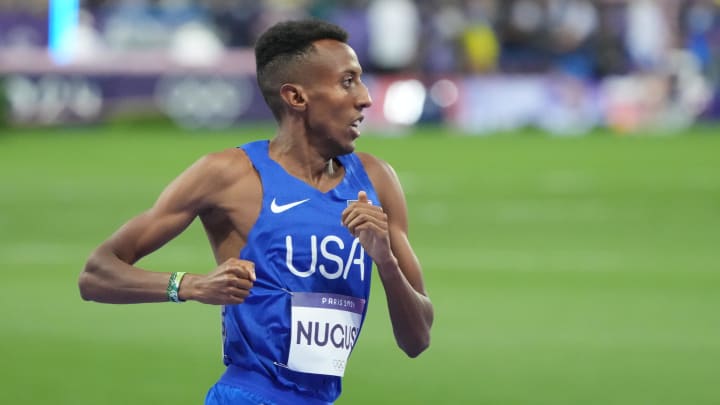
(174, 286)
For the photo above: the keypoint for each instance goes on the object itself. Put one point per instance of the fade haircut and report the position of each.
(279, 49)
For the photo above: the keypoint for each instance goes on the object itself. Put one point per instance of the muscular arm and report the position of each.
(383, 232)
(110, 274)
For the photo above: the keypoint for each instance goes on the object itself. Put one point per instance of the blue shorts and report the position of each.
(223, 394)
(242, 387)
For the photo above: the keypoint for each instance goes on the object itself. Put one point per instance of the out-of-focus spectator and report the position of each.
(647, 35)
(394, 32)
(610, 54)
(480, 43)
(274, 11)
(700, 25)
(572, 24)
(352, 16)
(521, 26)
(196, 44)
(235, 20)
(439, 48)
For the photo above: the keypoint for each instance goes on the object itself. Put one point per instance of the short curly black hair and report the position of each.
(283, 45)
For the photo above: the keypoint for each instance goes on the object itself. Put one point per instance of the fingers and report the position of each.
(229, 283)
(357, 220)
(363, 212)
(239, 279)
(234, 282)
(237, 295)
(362, 221)
(361, 205)
(242, 268)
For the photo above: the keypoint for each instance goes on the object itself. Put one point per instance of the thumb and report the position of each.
(362, 197)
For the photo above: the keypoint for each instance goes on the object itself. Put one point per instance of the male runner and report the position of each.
(295, 224)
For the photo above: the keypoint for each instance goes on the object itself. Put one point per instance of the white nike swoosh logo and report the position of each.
(276, 209)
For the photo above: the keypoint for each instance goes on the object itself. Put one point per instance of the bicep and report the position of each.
(173, 211)
(147, 232)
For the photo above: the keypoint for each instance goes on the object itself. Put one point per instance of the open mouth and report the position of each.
(356, 123)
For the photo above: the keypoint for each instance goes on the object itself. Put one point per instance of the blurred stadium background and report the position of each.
(560, 159)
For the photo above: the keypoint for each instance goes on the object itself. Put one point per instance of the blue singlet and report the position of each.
(289, 341)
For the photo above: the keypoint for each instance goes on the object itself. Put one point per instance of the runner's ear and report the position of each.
(294, 96)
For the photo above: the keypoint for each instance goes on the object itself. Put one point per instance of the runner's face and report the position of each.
(336, 96)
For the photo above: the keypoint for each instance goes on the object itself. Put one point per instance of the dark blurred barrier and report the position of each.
(225, 94)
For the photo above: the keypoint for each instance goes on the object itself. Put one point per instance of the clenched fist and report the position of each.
(229, 283)
(369, 223)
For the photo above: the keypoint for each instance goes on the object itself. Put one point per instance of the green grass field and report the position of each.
(563, 271)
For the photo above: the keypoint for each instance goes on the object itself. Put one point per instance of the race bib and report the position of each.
(324, 330)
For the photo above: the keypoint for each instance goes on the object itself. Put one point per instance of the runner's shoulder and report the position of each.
(229, 165)
(376, 167)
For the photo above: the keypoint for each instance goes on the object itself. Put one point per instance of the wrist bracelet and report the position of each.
(174, 286)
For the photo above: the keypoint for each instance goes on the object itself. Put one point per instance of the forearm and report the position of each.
(109, 280)
(411, 312)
